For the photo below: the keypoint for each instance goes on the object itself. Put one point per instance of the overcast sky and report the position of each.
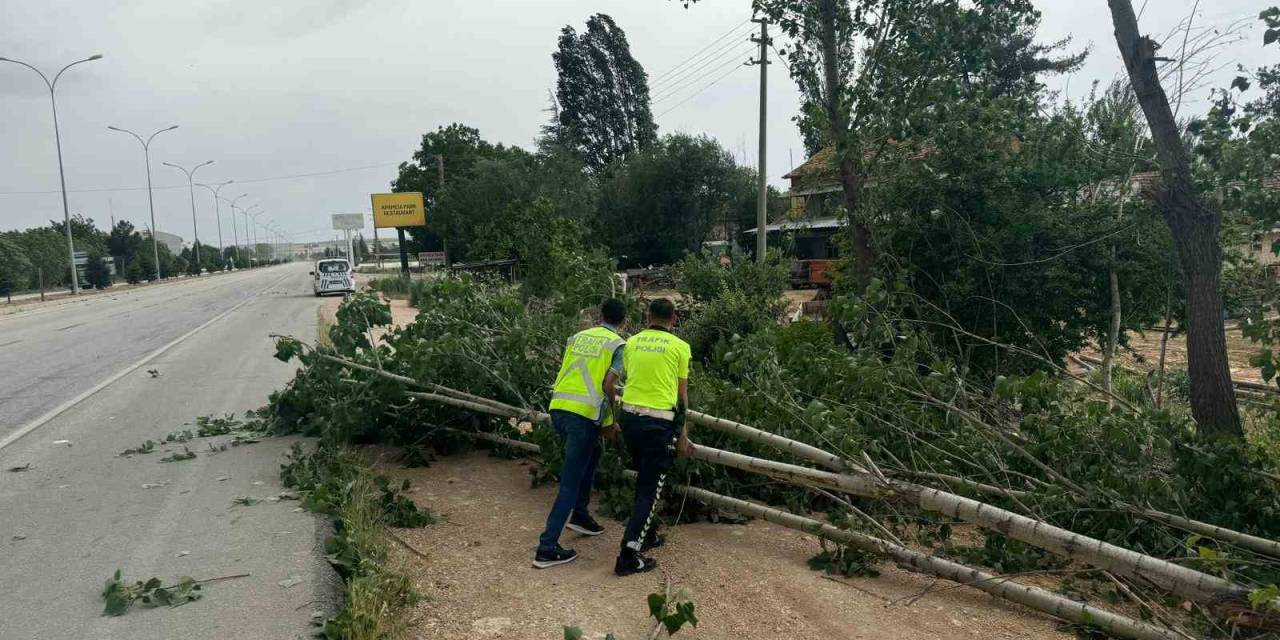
(345, 88)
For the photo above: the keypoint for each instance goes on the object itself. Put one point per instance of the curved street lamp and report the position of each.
(151, 201)
(235, 230)
(255, 229)
(191, 189)
(217, 209)
(62, 176)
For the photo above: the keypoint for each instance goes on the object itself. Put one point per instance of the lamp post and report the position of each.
(235, 230)
(191, 190)
(217, 211)
(255, 229)
(245, 212)
(151, 201)
(62, 175)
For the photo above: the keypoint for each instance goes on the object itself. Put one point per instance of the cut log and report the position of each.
(1002, 587)
(1171, 577)
(785, 445)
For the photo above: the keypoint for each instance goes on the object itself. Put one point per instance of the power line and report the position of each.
(248, 181)
(700, 91)
(734, 57)
(698, 63)
(699, 52)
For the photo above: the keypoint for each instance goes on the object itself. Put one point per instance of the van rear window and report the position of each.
(337, 266)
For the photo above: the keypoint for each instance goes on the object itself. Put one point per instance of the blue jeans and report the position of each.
(581, 454)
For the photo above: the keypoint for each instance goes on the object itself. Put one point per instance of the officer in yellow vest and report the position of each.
(656, 396)
(581, 401)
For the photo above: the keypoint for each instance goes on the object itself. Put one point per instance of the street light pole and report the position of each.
(217, 210)
(235, 229)
(151, 201)
(62, 175)
(255, 231)
(252, 250)
(191, 190)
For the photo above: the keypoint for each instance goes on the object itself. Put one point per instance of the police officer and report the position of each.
(581, 401)
(656, 363)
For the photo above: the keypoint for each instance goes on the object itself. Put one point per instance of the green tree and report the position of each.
(47, 251)
(602, 94)
(133, 273)
(458, 147)
(868, 70)
(96, 272)
(15, 269)
(84, 233)
(1195, 223)
(660, 203)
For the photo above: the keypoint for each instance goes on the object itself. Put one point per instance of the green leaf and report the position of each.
(1263, 595)
(1270, 36)
(117, 604)
(657, 605)
(572, 633)
(1241, 83)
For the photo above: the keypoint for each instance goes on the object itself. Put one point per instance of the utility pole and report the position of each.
(448, 262)
(762, 198)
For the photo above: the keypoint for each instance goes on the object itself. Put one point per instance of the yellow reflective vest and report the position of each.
(579, 387)
(655, 361)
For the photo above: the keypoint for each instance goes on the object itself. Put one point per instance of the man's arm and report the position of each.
(684, 446)
(611, 386)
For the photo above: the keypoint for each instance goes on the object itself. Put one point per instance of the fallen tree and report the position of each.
(1183, 581)
(1003, 587)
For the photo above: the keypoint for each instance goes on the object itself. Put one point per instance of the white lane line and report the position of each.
(60, 409)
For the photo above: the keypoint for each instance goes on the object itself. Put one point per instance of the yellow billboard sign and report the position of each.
(399, 210)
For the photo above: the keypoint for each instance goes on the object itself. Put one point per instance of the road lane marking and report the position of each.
(72, 326)
(10, 342)
(62, 408)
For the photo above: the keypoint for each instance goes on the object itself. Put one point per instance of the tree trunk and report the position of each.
(848, 155)
(1194, 226)
(1113, 337)
(1003, 587)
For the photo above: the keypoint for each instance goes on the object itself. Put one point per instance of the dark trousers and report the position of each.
(581, 454)
(652, 445)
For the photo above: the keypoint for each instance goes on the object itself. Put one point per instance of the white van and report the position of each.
(332, 275)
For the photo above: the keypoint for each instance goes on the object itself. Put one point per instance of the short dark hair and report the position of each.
(662, 309)
(613, 311)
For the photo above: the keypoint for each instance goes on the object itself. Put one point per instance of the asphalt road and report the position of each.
(81, 511)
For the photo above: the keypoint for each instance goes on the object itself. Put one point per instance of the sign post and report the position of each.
(399, 210)
(346, 223)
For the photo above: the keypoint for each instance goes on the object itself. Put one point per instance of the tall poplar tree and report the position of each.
(603, 93)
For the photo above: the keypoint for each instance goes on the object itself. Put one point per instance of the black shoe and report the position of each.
(586, 525)
(556, 556)
(630, 562)
(653, 542)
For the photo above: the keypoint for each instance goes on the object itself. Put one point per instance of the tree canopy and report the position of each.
(602, 94)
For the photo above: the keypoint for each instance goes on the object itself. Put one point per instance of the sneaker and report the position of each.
(653, 542)
(586, 525)
(630, 562)
(556, 556)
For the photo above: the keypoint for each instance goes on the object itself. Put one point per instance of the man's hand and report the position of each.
(684, 446)
(612, 432)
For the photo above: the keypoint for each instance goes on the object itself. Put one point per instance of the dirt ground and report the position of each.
(1144, 353)
(747, 581)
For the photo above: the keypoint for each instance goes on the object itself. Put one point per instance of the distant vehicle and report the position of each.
(332, 275)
